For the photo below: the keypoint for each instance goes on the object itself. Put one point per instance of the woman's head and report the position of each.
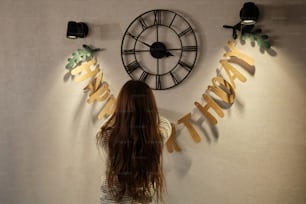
(135, 144)
(136, 105)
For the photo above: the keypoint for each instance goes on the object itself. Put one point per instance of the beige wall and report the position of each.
(255, 155)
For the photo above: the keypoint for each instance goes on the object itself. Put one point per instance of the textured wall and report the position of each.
(256, 153)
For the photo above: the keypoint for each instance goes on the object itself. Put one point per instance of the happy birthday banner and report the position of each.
(83, 65)
(220, 87)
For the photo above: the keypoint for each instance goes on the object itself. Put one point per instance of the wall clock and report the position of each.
(160, 48)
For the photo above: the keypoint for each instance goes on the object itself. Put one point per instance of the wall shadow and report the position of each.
(179, 164)
(106, 31)
(214, 136)
(250, 69)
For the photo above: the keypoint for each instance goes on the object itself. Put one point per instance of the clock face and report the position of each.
(160, 48)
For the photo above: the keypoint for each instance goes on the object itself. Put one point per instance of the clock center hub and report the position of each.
(158, 50)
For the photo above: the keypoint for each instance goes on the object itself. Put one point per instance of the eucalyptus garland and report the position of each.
(256, 35)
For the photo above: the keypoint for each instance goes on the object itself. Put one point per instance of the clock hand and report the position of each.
(175, 49)
(156, 32)
(137, 39)
(167, 54)
(146, 44)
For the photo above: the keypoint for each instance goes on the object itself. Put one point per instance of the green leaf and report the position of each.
(81, 55)
(244, 37)
(262, 42)
(265, 37)
(70, 63)
(254, 35)
(252, 38)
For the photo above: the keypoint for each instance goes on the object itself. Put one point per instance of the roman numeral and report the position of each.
(158, 82)
(174, 78)
(128, 52)
(157, 17)
(184, 32)
(192, 48)
(131, 35)
(185, 66)
(142, 23)
(143, 76)
(172, 21)
(132, 66)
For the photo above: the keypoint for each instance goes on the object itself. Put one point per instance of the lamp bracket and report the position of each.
(239, 27)
(90, 49)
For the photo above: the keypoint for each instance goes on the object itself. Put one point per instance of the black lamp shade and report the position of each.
(249, 13)
(77, 30)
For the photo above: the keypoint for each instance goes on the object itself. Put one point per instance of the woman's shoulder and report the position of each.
(165, 128)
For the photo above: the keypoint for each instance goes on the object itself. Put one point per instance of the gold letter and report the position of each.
(210, 104)
(108, 108)
(227, 96)
(235, 73)
(185, 120)
(94, 84)
(86, 66)
(171, 142)
(236, 53)
(100, 95)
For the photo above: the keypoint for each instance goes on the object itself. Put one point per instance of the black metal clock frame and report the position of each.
(159, 50)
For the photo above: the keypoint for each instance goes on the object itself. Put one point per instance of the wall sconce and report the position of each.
(249, 14)
(76, 30)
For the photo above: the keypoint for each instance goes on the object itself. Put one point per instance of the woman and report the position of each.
(133, 138)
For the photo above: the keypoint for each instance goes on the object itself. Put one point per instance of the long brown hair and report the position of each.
(134, 144)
